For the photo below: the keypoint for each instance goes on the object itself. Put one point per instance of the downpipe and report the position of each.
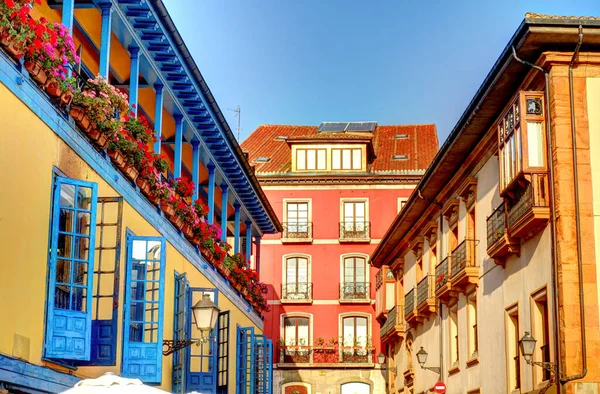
(555, 309)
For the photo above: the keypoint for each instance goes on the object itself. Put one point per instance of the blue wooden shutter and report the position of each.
(180, 331)
(263, 364)
(223, 353)
(68, 316)
(201, 373)
(144, 308)
(245, 368)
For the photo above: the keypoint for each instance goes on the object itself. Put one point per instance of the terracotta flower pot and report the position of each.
(53, 88)
(153, 199)
(144, 185)
(66, 97)
(116, 158)
(189, 233)
(81, 119)
(176, 221)
(196, 240)
(130, 172)
(167, 208)
(12, 48)
(36, 71)
(102, 143)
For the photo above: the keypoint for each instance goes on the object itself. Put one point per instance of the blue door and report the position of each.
(69, 318)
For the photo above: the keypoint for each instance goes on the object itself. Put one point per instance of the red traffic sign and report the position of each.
(440, 387)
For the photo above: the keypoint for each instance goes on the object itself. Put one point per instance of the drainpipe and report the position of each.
(555, 310)
(577, 219)
(440, 303)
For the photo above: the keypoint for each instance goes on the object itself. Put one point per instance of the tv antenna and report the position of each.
(238, 115)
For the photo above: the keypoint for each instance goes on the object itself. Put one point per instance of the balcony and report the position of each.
(355, 292)
(300, 292)
(464, 270)
(530, 210)
(426, 301)
(327, 355)
(410, 312)
(296, 232)
(443, 288)
(499, 243)
(355, 232)
(295, 354)
(393, 328)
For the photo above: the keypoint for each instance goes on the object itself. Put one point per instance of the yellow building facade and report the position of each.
(146, 274)
(499, 243)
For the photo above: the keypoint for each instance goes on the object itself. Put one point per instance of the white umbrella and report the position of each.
(109, 383)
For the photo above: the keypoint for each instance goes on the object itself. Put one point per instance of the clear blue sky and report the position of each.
(395, 62)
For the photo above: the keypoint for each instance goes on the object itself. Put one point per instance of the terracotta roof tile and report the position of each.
(419, 143)
(533, 15)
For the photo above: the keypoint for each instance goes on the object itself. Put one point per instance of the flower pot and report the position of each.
(81, 119)
(185, 228)
(12, 48)
(153, 199)
(143, 185)
(167, 209)
(116, 158)
(53, 88)
(189, 233)
(102, 142)
(36, 71)
(130, 172)
(176, 221)
(196, 240)
(66, 97)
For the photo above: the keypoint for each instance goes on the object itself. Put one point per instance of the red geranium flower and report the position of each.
(9, 3)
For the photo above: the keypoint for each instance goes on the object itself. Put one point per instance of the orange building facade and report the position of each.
(335, 188)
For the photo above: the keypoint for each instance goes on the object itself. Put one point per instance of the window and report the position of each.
(296, 225)
(200, 374)
(419, 267)
(512, 344)
(254, 366)
(472, 324)
(354, 224)
(401, 203)
(144, 305)
(179, 330)
(541, 332)
(346, 159)
(69, 317)
(222, 353)
(453, 237)
(311, 159)
(356, 282)
(355, 388)
(296, 282)
(355, 333)
(454, 336)
(296, 331)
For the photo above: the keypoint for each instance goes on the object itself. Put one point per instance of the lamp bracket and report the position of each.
(437, 370)
(548, 366)
(170, 346)
(391, 369)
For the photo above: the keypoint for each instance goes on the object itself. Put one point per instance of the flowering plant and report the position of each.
(183, 187)
(14, 26)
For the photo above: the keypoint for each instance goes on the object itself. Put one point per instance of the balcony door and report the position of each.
(354, 216)
(296, 337)
(296, 284)
(355, 284)
(297, 219)
(355, 338)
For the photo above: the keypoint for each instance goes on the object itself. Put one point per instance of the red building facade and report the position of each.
(334, 188)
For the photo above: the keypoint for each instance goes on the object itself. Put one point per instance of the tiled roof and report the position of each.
(418, 142)
(533, 15)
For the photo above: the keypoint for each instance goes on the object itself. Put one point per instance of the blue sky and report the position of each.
(307, 61)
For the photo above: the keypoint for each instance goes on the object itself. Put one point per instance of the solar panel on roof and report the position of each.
(361, 126)
(332, 127)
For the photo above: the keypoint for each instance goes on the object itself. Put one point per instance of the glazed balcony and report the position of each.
(299, 292)
(426, 301)
(355, 292)
(499, 242)
(443, 288)
(355, 231)
(296, 232)
(530, 210)
(464, 270)
(393, 328)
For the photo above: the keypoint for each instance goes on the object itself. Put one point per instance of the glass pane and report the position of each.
(154, 251)
(346, 159)
(361, 331)
(84, 197)
(80, 273)
(336, 160)
(136, 313)
(301, 159)
(348, 211)
(360, 210)
(65, 221)
(67, 196)
(78, 300)
(138, 250)
(303, 331)
(65, 245)
(63, 271)
(135, 332)
(311, 159)
(83, 223)
(535, 144)
(348, 331)
(82, 245)
(291, 270)
(322, 159)
(62, 297)
(290, 331)
(356, 159)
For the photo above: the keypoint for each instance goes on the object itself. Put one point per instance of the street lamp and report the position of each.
(383, 365)
(527, 346)
(205, 314)
(422, 358)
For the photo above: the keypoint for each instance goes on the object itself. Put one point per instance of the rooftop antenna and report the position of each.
(238, 115)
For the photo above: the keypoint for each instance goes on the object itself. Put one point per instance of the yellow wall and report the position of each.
(28, 152)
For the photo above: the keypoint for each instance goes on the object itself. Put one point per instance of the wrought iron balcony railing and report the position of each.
(442, 273)
(297, 231)
(297, 291)
(395, 318)
(409, 302)
(355, 231)
(496, 225)
(355, 291)
(463, 256)
(425, 289)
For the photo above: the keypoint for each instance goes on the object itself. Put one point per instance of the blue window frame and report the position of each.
(144, 308)
(201, 374)
(264, 364)
(69, 301)
(223, 353)
(245, 368)
(180, 331)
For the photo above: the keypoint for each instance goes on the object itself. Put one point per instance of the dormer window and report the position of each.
(311, 159)
(346, 159)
